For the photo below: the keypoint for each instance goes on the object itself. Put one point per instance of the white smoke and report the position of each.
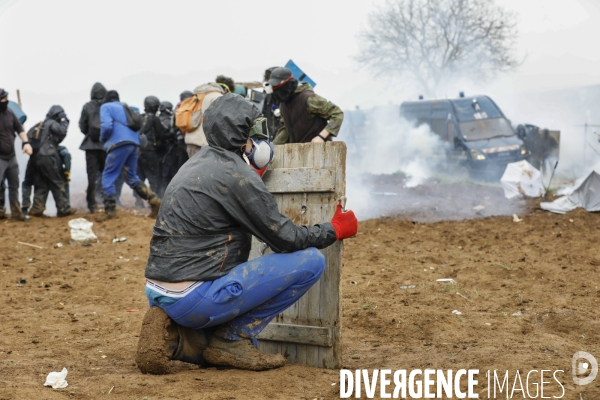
(392, 145)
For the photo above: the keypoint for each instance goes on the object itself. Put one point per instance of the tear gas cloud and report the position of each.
(389, 144)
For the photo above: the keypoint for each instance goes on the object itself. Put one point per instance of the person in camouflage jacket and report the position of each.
(307, 117)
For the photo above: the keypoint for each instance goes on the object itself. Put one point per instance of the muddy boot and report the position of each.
(110, 209)
(16, 214)
(3, 213)
(69, 212)
(36, 213)
(240, 354)
(145, 193)
(93, 208)
(162, 340)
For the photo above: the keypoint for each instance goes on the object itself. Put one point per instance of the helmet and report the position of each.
(151, 103)
(268, 72)
(165, 105)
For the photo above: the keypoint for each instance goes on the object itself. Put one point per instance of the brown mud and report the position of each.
(528, 293)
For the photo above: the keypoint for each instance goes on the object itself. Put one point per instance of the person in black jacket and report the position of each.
(63, 163)
(9, 167)
(95, 156)
(198, 273)
(45, 139)
(149, 160)
(168, 151)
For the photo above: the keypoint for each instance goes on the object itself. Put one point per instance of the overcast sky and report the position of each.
(64, 46)
(54, 50)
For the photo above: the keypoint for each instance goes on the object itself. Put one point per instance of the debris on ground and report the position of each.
(446, 280)
(57, 379)
(81, 232)
(522, 179)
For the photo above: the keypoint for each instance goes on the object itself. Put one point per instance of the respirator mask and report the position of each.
(261, 154)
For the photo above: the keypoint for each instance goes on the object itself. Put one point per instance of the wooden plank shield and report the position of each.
(307, 181)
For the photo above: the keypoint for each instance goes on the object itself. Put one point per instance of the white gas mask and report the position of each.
(261, 154)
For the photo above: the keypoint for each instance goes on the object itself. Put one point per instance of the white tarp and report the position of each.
(586, 195)
(522, 178)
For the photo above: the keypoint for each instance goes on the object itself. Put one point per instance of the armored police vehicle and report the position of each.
(476, 132)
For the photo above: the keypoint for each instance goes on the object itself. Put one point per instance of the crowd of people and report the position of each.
(117, 153)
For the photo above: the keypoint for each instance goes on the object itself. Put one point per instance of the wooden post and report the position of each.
(307, 181)
(19, 99)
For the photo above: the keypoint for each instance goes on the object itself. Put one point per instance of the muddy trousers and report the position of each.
(9, 169)
(94, 164)
(47, 178)
(26, 187)
(243, 302)
(119, 159)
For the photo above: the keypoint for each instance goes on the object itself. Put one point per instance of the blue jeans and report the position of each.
(243, 302)
(123, 157)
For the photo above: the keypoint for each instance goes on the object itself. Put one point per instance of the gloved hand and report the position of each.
(61, 116)
(345, 224)
(68, 176)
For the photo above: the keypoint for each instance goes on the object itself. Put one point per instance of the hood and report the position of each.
(185, 95)
(209, 87)
(98, 91)
(54, 111)
(111, 95)
(228, 120)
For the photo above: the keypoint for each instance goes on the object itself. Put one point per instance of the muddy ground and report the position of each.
(528, 293)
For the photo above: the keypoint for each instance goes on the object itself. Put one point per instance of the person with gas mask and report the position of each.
(270, 109)
(307, 117)
(43, 165)
(208, 302)
(149, 161)
(121, 144)
(9, 167)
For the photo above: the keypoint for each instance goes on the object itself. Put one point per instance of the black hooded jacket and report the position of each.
(89, 123)
(9, 128)
(53, 131)
(216, 202)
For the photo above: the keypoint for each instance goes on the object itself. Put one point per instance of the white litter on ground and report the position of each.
(81, 231)
(57, 379)
(522, 179)
(446, 280)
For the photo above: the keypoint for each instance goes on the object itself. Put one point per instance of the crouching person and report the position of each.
(208, 302)
(121, 144)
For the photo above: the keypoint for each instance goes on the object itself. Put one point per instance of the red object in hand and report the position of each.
(345, 224)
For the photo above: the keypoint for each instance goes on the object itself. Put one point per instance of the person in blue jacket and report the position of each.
(121, 144)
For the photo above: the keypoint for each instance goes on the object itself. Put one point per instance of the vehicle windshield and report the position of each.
(475, 108)
(483, 129)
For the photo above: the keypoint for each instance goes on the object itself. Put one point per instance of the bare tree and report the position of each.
(430, 42)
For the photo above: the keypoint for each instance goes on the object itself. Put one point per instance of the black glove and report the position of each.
(62, 115)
